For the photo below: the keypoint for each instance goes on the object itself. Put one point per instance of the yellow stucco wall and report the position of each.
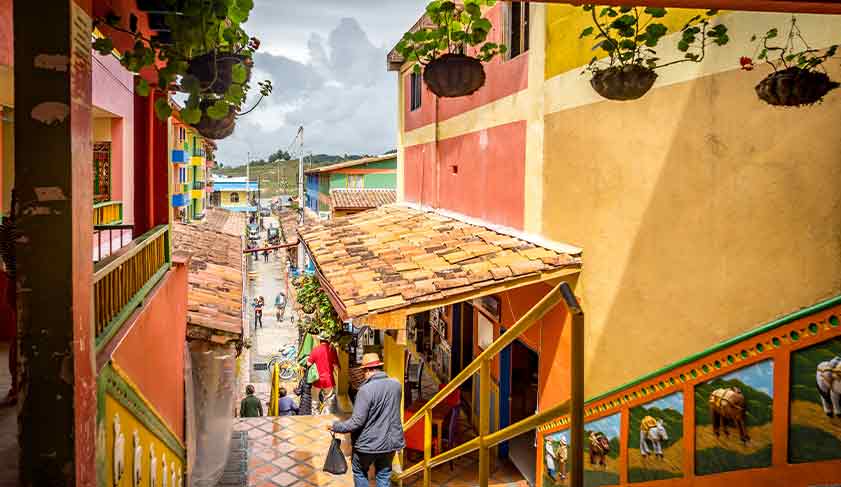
(702, 211)
(226, 198)
(102, 129)
(128, 425)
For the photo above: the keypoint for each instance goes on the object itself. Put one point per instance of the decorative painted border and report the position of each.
(113, 381)
(755, 345)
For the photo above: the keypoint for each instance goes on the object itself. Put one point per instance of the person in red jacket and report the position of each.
(326, 360)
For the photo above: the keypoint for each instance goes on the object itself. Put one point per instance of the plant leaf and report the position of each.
(103, 46)
(238, 73)
(586, 32)
(190, 115)
(142, 86)
(162, 108)
(218, 110)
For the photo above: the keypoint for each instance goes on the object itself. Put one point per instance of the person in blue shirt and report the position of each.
(285, 405)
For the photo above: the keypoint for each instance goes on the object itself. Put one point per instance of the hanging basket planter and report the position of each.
(794, 87)
(623, 83)
(216, 129)
(214, 71)
(454, 75)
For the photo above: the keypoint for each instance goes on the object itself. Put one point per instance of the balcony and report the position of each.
(179, 200)
(108, 213)
(198, 185)
(179, 156)
(123, 280)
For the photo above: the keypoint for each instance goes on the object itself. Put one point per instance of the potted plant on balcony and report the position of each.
(207, 55)
(630, 35)
(450, 51)
(799, 77)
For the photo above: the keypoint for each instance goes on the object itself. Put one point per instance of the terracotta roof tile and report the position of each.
(346, 199)
(214, 298)
(395, 256)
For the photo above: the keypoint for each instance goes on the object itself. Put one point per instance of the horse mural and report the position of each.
(599, 448)
(828, 378)
(652, 436)
(728, 405)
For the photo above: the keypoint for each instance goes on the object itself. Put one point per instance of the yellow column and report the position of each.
(394, 359)
(484, 421)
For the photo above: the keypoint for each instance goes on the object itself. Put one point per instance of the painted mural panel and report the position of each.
(601, 454)
(815, 417)
(733, 414)
(655, 439)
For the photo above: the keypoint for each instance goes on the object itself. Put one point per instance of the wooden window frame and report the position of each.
(514, 13)
(415, 91)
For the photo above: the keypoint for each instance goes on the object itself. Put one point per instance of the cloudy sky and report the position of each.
(326, 61)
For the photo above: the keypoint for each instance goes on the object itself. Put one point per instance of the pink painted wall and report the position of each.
(6, 45)
(503, 78)
(155, 343)
(480, 174)
(113, 91)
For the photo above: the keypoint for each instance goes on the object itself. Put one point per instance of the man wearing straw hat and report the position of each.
(376, 427)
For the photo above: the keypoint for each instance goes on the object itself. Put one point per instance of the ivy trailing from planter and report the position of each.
(450, 52)
(314, 302)
(799, 77)
(206, 54)
(630, 36)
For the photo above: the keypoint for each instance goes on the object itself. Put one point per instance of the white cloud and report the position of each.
(326, 61)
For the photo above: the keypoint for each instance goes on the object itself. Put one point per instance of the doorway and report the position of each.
(519, 365)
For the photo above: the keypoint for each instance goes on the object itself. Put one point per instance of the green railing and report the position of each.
(122, 280)
(108, 213)
(482, 364)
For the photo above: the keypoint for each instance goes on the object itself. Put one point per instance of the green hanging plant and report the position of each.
(799, 77)
(442, 50)
(315, 302)
(206, 55)
(630, 35)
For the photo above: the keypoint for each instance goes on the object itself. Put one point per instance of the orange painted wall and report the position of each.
(503, 78)
(6, 36)
(480, 174)
(156, 343)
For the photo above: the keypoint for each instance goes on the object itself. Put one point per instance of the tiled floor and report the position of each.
(289, 452)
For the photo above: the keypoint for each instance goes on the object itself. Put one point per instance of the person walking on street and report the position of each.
(265, 255)
(376, 426)
(326, 360)
(258, 312)
(285, 405)
(280, 305)
(250, 406)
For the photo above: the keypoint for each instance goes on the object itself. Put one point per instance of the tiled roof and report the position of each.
(341, 198)
(345, 164)
(214, 299)
(396, 256)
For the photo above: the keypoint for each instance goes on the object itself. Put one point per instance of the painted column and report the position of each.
(54, 181)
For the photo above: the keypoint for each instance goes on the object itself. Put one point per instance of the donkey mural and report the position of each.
(599, 448)
(829, 386)
(727, 405)
(652, 436)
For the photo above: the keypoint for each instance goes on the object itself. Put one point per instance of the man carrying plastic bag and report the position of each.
(376, 426)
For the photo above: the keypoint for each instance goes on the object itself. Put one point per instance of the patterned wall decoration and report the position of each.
(655, 439)
(815, 418)
(139, 449)
(774, 395)
(733, 420)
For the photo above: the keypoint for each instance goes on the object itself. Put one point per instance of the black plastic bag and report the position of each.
(335, 461)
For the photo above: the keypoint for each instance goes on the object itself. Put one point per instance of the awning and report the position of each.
(380, 265)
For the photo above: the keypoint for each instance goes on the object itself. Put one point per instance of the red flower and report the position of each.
(746, 62)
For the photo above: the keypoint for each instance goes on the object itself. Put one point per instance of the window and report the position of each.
(234, 197)
(356, 181)
(182, 175)
(518, 29)
(415, 91)
(101, 171)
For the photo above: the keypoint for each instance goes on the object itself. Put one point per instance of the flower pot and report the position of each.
(216, 77)
(216, 129)
(794, 87)
(623, 82)
(454, 75)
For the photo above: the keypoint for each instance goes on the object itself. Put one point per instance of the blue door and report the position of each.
(504, 394)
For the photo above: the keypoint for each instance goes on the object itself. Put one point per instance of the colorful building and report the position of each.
(664, 216)
(190, 182)
(351, 186)
(234, 193)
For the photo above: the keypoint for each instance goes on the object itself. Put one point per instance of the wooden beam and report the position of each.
(273, 247)
(832, 7)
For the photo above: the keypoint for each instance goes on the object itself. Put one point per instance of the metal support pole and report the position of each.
(301, 195)
(576, 427)
(484, 421)
(427, 448)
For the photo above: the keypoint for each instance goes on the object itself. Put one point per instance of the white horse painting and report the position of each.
(119, 451)
(652, 436)
(829, 386)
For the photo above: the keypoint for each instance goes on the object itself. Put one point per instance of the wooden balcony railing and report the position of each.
(122, 280)
(108, 213)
